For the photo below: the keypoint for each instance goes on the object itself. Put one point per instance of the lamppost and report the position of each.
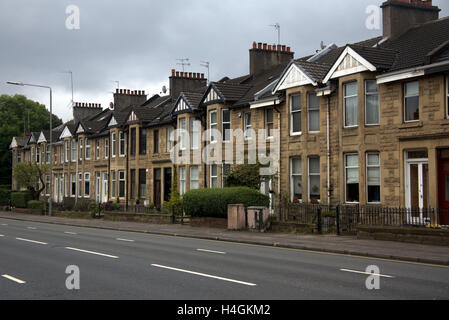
(51, 135)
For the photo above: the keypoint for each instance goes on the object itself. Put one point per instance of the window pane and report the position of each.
(372, 109)
(296, 102)
(297, 187)
(351, 111)
(350, 89)
(313, 101)
(371, 86)
(352, 192)
(296, 118)
(226, 116)
(411, 108)
(352, 160)
(373, 176)
(352, 175)
(296, 166)
(314, 187)
(314, 120)
(412, 89)
(213, 117)
(269, 114)
(314, 165)
(373, 159)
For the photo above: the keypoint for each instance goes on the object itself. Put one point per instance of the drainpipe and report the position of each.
(126, 136)
(76, 173)
(328, 151)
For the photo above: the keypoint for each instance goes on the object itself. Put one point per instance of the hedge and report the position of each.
(38, 205)
(20, 199)
(5, 194)
(214, 203)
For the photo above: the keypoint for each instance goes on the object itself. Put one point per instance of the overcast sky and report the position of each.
(138, 42)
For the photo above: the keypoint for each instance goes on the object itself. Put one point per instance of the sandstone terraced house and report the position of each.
(366, 123)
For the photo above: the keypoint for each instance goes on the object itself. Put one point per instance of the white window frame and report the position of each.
(223, 123)
(197, 180)
(113, 144)
(247, 127)
(80, 145)
(47, 185)
(182, 180)
(121, 141)
(267, 130)
(66, 188)
(213, 127)
(194, 133)
(73, 190)
(183, 134)
(345, 174)
(87, 147)
(292, 188)
(366, 104)
(87, 181)
(38, 154)
(113, 174)
(405, 99)
(47, 153)
(309, 174)
(119, 181)
(313, 109)
(380, 176)
(169, 143)
(80, 184)
(344, 104)
(295, 133)
(97, 149)
(212, 176)
(66, 156)
(106, 148)
(73, 150)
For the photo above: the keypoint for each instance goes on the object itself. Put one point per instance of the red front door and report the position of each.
(443, 185)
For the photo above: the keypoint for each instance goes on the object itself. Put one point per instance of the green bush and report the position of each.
(214, 202)
(37, 205)
(5, 194)
(20, 199)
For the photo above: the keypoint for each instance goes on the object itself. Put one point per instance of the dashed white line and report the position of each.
(31, 228)
(68, 232)
(369, 273)
(204, 275)
(211, 251)
(13, 279)
(126, 240)
(3, 224)
(1, 235)
(92, 252)
(32, 241)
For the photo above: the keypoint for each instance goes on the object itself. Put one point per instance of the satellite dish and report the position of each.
(111, 106)
(164, 89)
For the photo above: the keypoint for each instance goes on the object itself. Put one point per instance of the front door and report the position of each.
(443, 186)
(157, 188)
(104, 189)
(167, 183)
(417, 187)
(97, 187)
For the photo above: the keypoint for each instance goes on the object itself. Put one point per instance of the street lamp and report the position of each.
(51, 134)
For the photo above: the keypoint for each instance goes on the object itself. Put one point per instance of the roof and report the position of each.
(416, 45)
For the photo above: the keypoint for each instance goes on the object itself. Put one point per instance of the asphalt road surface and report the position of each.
(122, 265)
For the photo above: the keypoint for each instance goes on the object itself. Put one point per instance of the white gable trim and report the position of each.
(212, 96)
(349, 62)
(112, 122)
(182, 105)
(13, 143)
(80, 129)
(264, 103)
(132, 116)
(32, 140)
(65, 133)
(41, 138)
(294, 77)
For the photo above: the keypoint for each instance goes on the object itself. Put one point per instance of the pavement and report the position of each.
(348, 245)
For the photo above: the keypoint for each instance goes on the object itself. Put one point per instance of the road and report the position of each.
(125, 265)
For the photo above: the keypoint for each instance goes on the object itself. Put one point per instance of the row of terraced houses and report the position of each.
(366, 123)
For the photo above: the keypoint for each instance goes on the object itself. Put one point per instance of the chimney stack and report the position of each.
(263, 56)
(185, 81)
(400, 15)
(125, 97)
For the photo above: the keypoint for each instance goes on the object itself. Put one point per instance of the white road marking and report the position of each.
(1, 235)
(32, 228)
(205, 275)
(368, 273)
(33, 241)
(68, 232)
(13, 279)
(92, 252)
(211, 251)
(4, 224)
(126, 240)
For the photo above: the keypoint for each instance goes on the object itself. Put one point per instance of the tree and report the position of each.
(28, 176)
(244, 175)
(15, 111)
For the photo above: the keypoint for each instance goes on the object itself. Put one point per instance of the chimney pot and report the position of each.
(288, 49)
(172, 72)
(269, 47)
(254, 45)
(283, 48)
(143, 92)
(177, 73)
(265, 46)
(202, 76)
(259, 45)
(279, 47)
(190, 74)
